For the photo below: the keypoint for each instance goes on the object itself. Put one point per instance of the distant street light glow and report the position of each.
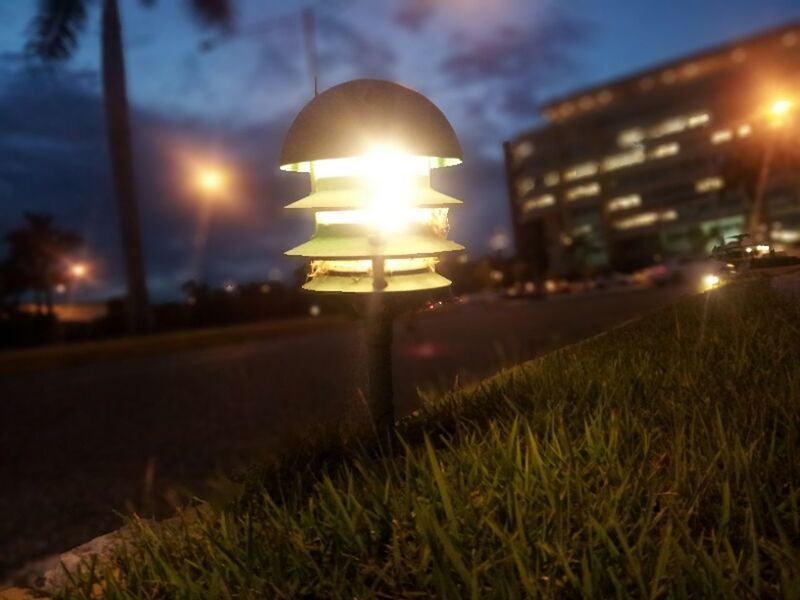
(79, 270)
(710, 282)
(781, 107)
(211, 180)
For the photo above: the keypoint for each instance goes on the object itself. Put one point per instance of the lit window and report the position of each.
(525, 185)
(522, 150)
(586, 103)
(665, 150)
(539, 202)
(552, 178)
(669, 76)
(699, 119)
(674, 125)
(566, 109)
(647, 83)
(624, 202)
(744, 130)
(605, 97)
(690, 69)
(581, 230)
(645, 219)
(787, 236)
(709, 184)
(581, 170)
(623, 159)
(640, 220)
(630, 137)
(582, 191)
(738, 55)
(723, 135)
(790, 39)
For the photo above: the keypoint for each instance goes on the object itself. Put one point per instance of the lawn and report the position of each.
(659, 459)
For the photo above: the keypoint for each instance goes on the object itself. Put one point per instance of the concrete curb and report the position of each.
(51, 573)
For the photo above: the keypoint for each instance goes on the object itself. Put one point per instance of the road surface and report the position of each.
(77, 444)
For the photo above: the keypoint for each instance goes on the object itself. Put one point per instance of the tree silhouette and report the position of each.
(54, 36)
(36, 259)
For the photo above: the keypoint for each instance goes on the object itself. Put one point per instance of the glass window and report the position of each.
(699, 119)
(624, 202)
(522, 150)
(539, 202)
(645, 219)
(720, 136)
(582, 170)
(665, 150)
(552, 178)
(668, 127)
(582, 191)
(709, 184)
(623, 159)
(525, 185)
(630, 137)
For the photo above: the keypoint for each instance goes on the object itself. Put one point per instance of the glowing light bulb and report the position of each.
(79, 270)
(780, 107)
(710, 282)
(210, 180)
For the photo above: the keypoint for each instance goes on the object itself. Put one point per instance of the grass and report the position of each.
(661, 459)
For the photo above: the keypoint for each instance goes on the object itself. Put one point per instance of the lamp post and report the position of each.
(79, 270)
(778, 114)
(211, 183)
(369, 147)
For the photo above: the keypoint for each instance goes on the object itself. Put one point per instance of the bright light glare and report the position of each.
(79, 270)
(433, 217)
(710, 282)
(379, 163)
(780, 107)
(210, 180)
(391, 265)
(391, 177)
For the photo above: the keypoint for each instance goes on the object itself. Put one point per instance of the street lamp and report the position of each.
(79, 270)
(212, 184)
(210, 180)
(369, 147)
(780, 108)
(778, 113)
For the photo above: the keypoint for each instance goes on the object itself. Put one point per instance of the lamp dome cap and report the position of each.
(352, 118)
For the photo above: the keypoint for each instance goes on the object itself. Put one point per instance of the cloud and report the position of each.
(360, 54)
(515, 61)
(414, 14)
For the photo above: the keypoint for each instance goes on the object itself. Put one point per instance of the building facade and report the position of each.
(662, 163)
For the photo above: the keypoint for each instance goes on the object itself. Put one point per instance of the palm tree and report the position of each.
(54, 37)
(37, 258)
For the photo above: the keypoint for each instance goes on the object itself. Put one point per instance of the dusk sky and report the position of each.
(201, 95)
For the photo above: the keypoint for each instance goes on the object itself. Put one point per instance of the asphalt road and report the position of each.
(78, 444)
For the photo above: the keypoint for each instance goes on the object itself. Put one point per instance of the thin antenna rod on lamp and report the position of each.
(310, 42)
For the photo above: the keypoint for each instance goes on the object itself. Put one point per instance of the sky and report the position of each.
(204, 96)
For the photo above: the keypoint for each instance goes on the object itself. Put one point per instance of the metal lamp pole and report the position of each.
(379, 327)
